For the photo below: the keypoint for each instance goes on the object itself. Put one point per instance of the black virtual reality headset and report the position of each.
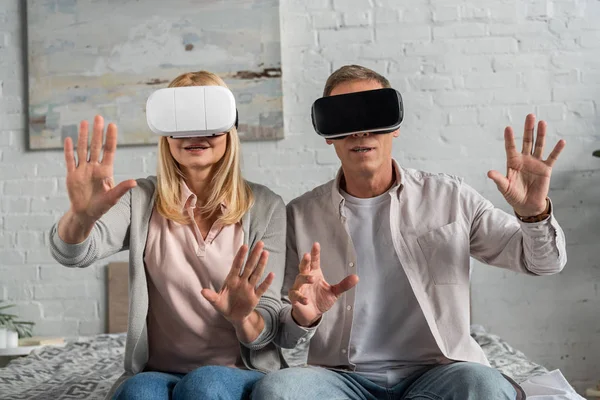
(191, 111)
(373, 111)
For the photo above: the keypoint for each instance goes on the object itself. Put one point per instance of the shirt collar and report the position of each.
(188, 199)
(338, 199)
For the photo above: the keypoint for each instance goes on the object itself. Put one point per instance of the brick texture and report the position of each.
(466, 70)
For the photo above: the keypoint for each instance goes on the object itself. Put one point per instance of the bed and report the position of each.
(86, 367)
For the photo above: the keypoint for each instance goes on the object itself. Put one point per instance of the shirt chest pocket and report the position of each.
(446, 251)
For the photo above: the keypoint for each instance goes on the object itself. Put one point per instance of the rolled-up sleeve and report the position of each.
(500, 239)
(109, 235)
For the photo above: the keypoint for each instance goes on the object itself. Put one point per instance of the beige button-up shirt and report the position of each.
(438, 222)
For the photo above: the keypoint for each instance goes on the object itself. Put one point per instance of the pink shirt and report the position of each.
(184, 329)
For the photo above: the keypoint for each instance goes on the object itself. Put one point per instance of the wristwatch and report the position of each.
(539, 217)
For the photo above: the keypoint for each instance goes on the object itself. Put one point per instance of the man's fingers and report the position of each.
(346, 284)
(509, 143)
(500, 180)
(301, 280)
(297, 297)
(305, 264)
(305, 279)
(528, 134)
(556, 152)
(315, 256)
(263, 287)
(540, 140)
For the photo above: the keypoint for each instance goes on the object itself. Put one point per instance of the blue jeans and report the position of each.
(457, 381)
(212, 382)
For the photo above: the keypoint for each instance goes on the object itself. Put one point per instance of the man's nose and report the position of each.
(361, 134)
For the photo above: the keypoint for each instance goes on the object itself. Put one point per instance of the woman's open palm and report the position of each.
(90, 182)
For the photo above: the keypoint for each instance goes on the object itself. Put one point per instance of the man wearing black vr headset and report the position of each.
(403, 330)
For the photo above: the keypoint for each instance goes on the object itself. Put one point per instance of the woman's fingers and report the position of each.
(69, 155)
(97, 139)
(110, 146)
(263, 287)
(258, 271)
(238, 262)
(82, 142)
(252, 261)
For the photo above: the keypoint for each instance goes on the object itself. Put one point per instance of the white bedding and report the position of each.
(86, 369)
(550, 386)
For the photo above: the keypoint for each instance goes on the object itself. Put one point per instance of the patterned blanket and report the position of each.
(83, 369)
(506, 358)
(86, 368)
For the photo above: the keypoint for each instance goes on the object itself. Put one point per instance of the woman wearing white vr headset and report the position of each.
(206, 249)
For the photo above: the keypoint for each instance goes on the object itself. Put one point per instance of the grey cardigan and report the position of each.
(125, 227)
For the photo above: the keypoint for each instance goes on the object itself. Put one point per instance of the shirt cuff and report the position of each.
(545, 243)
(71, 252)
(535, 228)
(293, 332)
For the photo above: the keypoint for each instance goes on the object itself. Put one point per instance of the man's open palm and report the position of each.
(527, 181)
(312, 295)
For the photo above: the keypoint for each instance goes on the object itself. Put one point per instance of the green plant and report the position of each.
(10, 321)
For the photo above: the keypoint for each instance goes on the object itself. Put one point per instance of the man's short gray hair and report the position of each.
(349, 73)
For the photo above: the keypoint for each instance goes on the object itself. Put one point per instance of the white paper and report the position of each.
(550, 386)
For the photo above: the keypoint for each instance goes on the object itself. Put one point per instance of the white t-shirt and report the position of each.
(390, 338)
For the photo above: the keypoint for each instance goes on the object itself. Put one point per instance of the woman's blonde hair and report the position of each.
(227, 184)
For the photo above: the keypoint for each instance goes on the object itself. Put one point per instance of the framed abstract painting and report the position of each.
(88, 57)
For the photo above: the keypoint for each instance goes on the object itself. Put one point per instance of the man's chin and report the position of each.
(361, 167)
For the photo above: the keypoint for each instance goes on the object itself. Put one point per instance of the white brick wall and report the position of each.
(466, 69)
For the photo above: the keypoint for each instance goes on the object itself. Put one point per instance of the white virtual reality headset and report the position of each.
(191, 111)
